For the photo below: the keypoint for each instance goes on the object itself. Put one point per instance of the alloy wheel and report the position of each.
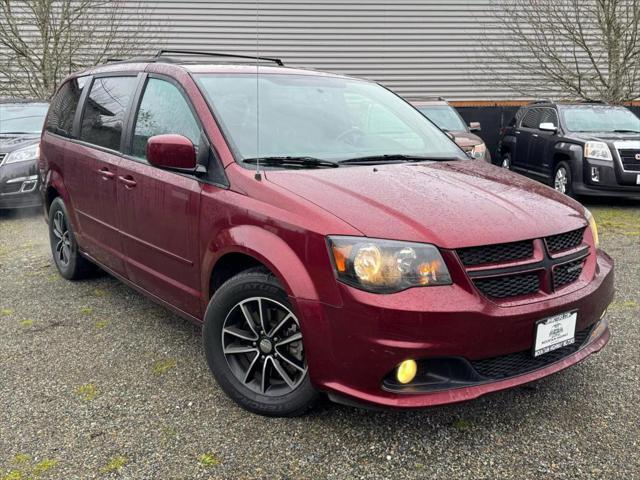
(262, 344)
(561, 180)
(63, 247)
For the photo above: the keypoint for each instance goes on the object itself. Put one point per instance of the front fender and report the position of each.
(270, 250)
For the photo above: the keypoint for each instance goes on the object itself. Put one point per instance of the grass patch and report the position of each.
(98, 292)
(6, 312)
(21, 458)
(26, 323)
(44, 466)
(100, 324)
(14, 475)
(115, 464)
(208, 460)
(163, 366)
(86, 310)
(88, 392)
(617, 220)
(462, 425)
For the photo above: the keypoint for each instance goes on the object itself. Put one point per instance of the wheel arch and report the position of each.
(247, 246)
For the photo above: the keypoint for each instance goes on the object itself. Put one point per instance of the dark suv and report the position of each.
(20, 127)
(578, 148)
(327, 236)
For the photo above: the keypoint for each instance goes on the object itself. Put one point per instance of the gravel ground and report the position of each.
(98, 382)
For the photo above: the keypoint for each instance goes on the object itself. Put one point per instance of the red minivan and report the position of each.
(327, 236)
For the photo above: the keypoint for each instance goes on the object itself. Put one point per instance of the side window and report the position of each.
(549, 116)
(531, 119)
(63, 107)
(163, 110)
(105, 109)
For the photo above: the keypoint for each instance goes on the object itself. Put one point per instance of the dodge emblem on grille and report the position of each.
(638, 156)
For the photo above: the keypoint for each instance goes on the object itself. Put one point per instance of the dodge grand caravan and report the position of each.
(327, 236)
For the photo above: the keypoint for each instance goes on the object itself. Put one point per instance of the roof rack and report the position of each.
(161, 53)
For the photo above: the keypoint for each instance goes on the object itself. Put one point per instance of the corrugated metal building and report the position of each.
(415, 47)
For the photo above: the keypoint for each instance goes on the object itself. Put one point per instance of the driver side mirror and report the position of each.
(173, 152)
(548, 127)
(475, 127)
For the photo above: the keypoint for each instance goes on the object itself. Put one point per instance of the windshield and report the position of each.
(599, 119)
(22, 117)
(444, 117)
(327, 118)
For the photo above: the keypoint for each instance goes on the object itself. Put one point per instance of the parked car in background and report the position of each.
(448, 119)
(350, 247)
(578, 148)
(20, 128)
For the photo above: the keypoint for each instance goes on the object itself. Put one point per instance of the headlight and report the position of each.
(31, 152)
(479, 151)
(386, 266)
(598, 150)
(593, 227)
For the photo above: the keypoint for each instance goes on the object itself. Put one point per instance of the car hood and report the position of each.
(9, 143)
(466, 139)
(450, 204)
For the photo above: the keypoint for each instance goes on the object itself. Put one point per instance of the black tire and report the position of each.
(64, 248)
(278, 399)
(506, 161)
(564, 170)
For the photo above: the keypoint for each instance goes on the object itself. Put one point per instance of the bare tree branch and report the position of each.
(587, 49)
(42, 41)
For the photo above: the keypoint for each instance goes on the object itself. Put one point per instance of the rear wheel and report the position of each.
(254, 346)
(562, 179)
(64, 247)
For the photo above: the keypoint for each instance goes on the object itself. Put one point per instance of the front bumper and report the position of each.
(612, 182)
(352, 349)
(19, 185)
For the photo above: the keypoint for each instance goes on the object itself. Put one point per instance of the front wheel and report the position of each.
(562, 179)
(254, 346)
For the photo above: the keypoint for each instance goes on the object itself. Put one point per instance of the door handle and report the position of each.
(106, 174)
(517, 132)
(128, 181)
(535, 135)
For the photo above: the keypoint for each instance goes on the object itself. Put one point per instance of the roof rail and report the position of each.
(216, 54)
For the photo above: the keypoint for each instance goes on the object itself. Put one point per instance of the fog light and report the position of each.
(595, 174)
(406, 371)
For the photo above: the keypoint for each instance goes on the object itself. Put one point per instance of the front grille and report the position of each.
(502, 252)
(9, 188)
(519, 363)
(628, 157)
(509, 285)
(567, 273)
(565, 241)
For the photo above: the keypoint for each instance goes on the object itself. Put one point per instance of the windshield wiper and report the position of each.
(293, 161)
(623, 130)
(396, 157)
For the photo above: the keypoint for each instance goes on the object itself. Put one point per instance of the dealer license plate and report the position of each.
(555, 332)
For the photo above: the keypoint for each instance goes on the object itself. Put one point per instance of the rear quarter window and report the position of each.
(64, 106)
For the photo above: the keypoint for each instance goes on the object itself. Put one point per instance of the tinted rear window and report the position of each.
(64, 106)
(105, 109)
